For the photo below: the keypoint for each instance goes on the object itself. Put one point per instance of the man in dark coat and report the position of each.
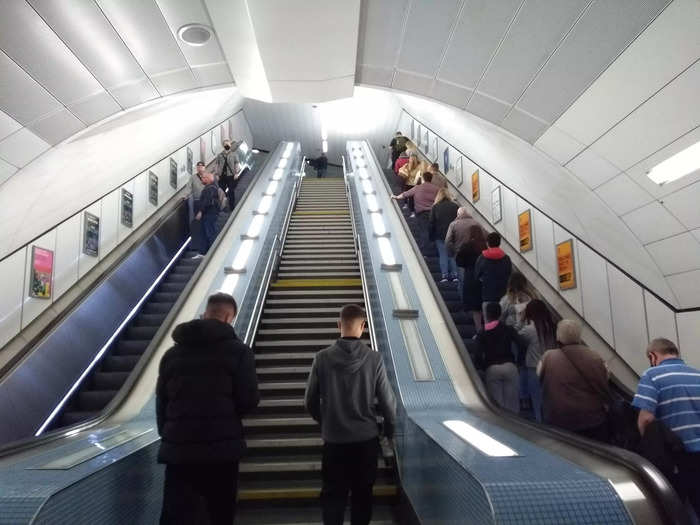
(206, 384)
(493, 269)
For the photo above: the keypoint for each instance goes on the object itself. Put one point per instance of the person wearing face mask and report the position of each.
(228, 169)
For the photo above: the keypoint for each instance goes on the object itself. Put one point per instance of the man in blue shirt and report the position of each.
(670, 392)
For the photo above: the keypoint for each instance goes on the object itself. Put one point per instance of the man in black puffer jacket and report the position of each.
(206, 384)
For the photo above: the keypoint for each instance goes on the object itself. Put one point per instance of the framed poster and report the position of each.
(127, 218)
(460, 173)
(565, 265)
(40, 285)
(190, 161)
(153, 188)
(476, 194)
(173, 173)
(446, 160)
(496, 209)
(435, 148)
(413, 129)
(525, 231)
(91, 234)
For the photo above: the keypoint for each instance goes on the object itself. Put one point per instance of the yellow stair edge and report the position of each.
(302, 493)
(315, 283)
(319, 212)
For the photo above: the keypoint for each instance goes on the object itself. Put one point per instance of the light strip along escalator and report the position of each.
(280, 478)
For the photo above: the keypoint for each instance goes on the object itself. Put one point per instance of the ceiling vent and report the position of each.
(194, 34)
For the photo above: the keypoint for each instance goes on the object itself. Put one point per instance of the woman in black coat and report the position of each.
(466, 257)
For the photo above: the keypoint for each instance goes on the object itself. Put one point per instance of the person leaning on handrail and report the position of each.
(442, 214)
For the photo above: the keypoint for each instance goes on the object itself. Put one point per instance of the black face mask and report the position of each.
(227, 147)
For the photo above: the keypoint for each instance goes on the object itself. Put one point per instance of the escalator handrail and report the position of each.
(161, 333)
(667, 498)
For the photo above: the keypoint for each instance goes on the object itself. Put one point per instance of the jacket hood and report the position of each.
(202, 331)
(348, 354)
(493, 253)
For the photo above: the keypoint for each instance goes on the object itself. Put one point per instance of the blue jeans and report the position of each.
(534, 390)
(208, 231)
(448, 266)
(320, 172)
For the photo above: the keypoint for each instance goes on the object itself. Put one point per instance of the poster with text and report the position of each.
(153, 188)
(190, 161)
(565, 265)
(446, 160)
(40, 285)
(173, 173)
(525, 231)
(127, 218)
(91, 234)
(476, 195)
(496, 209)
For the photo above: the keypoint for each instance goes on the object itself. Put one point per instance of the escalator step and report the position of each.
(132, 347)
(165, 297)
(109, 380)
(95, 400)
(157, 308)
(143, 333)
(76, 416)
(177, 277)
(144, 319)
(120, 363)
(172, 287)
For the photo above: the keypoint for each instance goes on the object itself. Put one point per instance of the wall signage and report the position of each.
(565, 265)
(153, 188)
(41, 282)
(91, 234)
(173, 173)
(190, 161)
(476, 194)
(446, 160)
(525, 231)
(496, 209)
(127, 218)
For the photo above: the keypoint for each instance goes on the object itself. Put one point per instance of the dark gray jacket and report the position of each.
(345, 379)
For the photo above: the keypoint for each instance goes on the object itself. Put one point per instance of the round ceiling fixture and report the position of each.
(194, 34)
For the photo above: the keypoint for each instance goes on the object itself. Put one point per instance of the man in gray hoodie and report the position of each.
(345, 379)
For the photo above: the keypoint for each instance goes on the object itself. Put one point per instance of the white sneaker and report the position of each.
(412, 216)
(198, 256)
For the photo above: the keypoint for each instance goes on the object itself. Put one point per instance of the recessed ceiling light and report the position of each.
(194, 34)
(679, 165)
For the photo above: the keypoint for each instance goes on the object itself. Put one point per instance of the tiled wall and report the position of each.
(18, 309)
(624, 314)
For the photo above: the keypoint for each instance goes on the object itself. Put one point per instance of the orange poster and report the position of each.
(525, 231)
(475, 186)
(565, 265)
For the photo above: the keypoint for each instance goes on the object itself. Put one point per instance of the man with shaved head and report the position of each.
(345, 379)
(669, 392)
(206, 384)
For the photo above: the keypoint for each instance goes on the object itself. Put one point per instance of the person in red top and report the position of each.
(493, 269)
(400, 161)
(423, 197)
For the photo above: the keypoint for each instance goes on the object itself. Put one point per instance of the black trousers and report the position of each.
(349, 468)
(201, 493)
(228, 184)
(688, 479)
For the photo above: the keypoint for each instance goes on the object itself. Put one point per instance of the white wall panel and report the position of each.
(676, 254)
(380, 32)
(141, 205)
(122, 231)
(592, 169)
(594, 292)
(685, 205)
(686, 286)
(12, 270)
(88, 262)
(629, 323)
(509, 208)
(109, 222)
(57, 126)
(573, 296)
(622, 195)
(653, 222)
(661, 321)
(544, 245)
(689, 335)
(558, 145)
(6, 171)
(32, 307)
(22, 147)
(8, 125)
(68, 245)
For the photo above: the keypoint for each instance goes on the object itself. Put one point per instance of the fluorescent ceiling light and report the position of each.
(265, 204)
(324, 133)
(288, 150)
(363, 173)
(243, 147)
(372, 204)
(271, 188)
(255, 151)
(485, 443)
(377, 222)
(367, 186)
(325, 146)
(230, 282)
(386, 250)
(677, 166)
(277, 175)
(283, 163)
(255, 226)
(242, 255)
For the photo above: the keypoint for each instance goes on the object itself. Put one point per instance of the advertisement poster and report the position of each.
(446, 160)
(525, 231)
(460, 172)
(42, 273)
(413, 130)
(173, 173)
(153, 188)
(127, 209)
(190, 160)
(496, 209)
(91, 234)
(435, 148)
(476, 195)
(565, 265)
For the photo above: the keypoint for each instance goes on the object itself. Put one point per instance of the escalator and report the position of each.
(280, 478)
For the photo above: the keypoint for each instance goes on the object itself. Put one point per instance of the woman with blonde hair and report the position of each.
(409, 173)
(443, 212)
